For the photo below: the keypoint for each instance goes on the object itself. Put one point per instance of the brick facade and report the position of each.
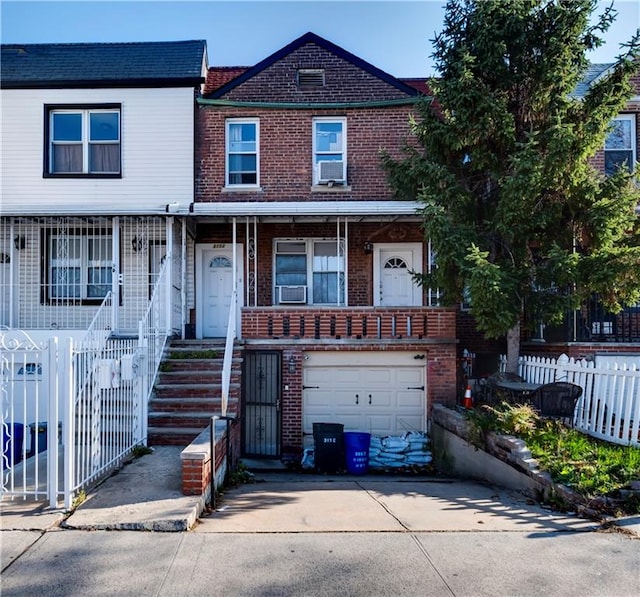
(285, 154)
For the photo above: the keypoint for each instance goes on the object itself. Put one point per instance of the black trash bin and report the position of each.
(38, 437)
(328, 447)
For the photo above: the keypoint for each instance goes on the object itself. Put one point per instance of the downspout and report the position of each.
(183, 279)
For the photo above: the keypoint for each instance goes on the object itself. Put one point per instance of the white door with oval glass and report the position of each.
(215, 273)
(392, 275)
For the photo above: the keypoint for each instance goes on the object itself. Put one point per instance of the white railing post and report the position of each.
(67, 396)
(53, 374)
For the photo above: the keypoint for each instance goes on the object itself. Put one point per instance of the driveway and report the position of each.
(314, 503)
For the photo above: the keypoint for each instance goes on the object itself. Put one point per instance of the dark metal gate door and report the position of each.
(261, 416)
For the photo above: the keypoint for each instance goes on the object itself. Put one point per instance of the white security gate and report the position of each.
(382, 393)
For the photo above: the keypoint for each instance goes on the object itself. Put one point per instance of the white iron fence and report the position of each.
(72, 411)
(609, 407)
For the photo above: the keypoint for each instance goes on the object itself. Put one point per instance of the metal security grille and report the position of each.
(56, 271)
(261, 417)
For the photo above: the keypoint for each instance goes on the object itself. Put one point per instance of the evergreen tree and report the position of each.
(517, 215)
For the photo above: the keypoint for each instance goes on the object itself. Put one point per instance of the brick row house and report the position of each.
(253, 199)
(288, 179)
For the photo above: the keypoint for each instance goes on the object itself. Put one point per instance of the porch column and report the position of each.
(116, 275)
(169, 277)
(183, 279)
(251, 285)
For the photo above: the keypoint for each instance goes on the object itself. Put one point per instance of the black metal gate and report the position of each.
(261, 410)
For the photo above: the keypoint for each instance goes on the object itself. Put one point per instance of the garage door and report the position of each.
(376, 392)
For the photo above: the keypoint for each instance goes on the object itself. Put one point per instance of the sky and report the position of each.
(393, 35)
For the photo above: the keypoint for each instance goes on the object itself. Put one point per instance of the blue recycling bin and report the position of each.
(356, 452)
(12, 442)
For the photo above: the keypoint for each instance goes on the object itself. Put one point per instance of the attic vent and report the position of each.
(311, 77)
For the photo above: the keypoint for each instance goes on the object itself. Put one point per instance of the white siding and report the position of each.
(157, 153)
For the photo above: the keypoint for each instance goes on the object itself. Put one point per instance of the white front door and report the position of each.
(215, 274)
(393, 282)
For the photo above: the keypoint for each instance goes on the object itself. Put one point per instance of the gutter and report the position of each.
(311, 105)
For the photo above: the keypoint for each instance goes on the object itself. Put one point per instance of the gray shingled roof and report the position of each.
(591, 74)
(102, 65)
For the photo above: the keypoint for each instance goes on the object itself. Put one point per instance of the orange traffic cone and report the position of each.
(467, 401)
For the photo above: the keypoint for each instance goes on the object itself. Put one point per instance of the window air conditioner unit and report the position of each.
(292, 294)
(331, 172)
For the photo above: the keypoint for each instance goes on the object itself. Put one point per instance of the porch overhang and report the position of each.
(310, 209)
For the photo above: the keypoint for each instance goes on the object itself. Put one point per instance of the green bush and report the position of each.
(591, 467)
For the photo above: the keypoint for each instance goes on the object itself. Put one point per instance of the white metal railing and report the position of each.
(228, 353)
(609, 407)
(28, 374)
(88, 399)
(153, 330)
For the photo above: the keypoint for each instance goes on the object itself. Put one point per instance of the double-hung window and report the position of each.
(79, 267)
(329, 151)
(242, 154)
(620, 145)
(309, 271)
(83, 141)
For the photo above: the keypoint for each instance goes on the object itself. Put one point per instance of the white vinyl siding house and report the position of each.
(168, 113)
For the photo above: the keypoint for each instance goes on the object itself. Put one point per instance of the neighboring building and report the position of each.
(97, 174)
(289, 181)
(590, 330)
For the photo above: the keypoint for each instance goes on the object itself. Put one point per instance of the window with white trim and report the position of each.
(309, 271)
(329, 151)
(242, 153)
(620, 145)
(83, 141)
(79, 267)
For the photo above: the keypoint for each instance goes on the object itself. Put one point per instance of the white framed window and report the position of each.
(83, 141)
(309, 271)
(620, 145)
(79, 267)
(242, 153)
(329, 151)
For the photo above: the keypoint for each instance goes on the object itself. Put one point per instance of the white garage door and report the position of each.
(375, 392)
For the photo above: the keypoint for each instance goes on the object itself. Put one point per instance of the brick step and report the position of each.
(177, 404)
(189, 377)
(203, 342)
(160, 436)
(174, 365)
(178, 391)
(189, 390)
(181, 420)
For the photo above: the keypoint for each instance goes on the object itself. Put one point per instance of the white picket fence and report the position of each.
(609, 407)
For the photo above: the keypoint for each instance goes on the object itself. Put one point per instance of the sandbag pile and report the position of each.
(410, 450)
